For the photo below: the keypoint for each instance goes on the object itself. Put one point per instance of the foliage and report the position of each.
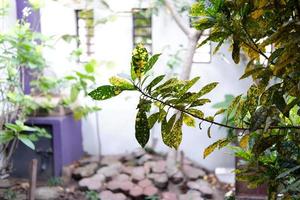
(22, 53)
(168, 95)
(9, 194)
(92, 195)
(266, 117)
(55, 181)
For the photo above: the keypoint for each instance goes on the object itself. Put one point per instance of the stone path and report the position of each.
(139, 175)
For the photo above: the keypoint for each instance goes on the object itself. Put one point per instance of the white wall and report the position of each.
(114, 42)
(9, 20)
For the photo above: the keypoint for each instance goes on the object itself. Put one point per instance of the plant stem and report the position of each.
(209, 121)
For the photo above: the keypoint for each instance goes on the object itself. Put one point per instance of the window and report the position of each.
(203, 53)
(142, 27)
(85, 33)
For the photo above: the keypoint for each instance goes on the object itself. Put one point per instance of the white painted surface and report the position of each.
(114, 43)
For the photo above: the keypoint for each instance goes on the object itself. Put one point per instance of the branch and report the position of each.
(178, 19)
(209, 121)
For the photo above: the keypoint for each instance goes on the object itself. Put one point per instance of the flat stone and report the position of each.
(138, 174)
(89, 159)
(127, 169)
(159, 167)
(136, 191)
(191, 195)
(122, 177)
(144, 183)
(177, 177)
(108, 195)
(113, 186)
(47, 193)
(5, 183)
(126, 186)
(202, 186)
(110, 159)
(67, 172)
(150, 191)
(169, 196)
(86, 170)
(144, 159)
(139, 152)
(161, 181)
(192, 172)
(108, 172)
(90, 183)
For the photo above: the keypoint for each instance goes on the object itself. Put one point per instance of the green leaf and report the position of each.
(6, 136)
(85, 76)
(208, 150)
(200, 102)
(121, 83)
(152, 119)
(244, 141)
(251, 72)
(24, 139)
(177, 133)
(166, 128)
(151, 62)
(74, 92)
(154, 82)
(236, 51)
(188, 120)
(105, 92)
(222, 110)
(196, 113)
(188, 85)
(204, 23)
(218, 144)
(90, 66)
(232, 105)
(206, 89)
(209, 131)
(142, 130)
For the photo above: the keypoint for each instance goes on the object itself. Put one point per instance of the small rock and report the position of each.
(5, 183)
(113, 185)
(144, 159)
(122, 177)
(202, 186)
(138, 174)
(169, 196)
(150, 191)
(139, 153)
(192, 172)
(144, 183)
(159, 167)
(67, 172)
(177, 177)
(108, 172)
(161, 181)
(86, 170)
(110, 159)
(108, 195)
(126, 186)
(89, 159)
(191, 195)
(136, 191)
(47, 193)
(90, 183)
(127, 169)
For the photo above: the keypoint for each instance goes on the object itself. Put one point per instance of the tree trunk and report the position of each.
(193, 39)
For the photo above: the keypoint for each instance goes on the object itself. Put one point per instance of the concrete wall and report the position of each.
(114, 43)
